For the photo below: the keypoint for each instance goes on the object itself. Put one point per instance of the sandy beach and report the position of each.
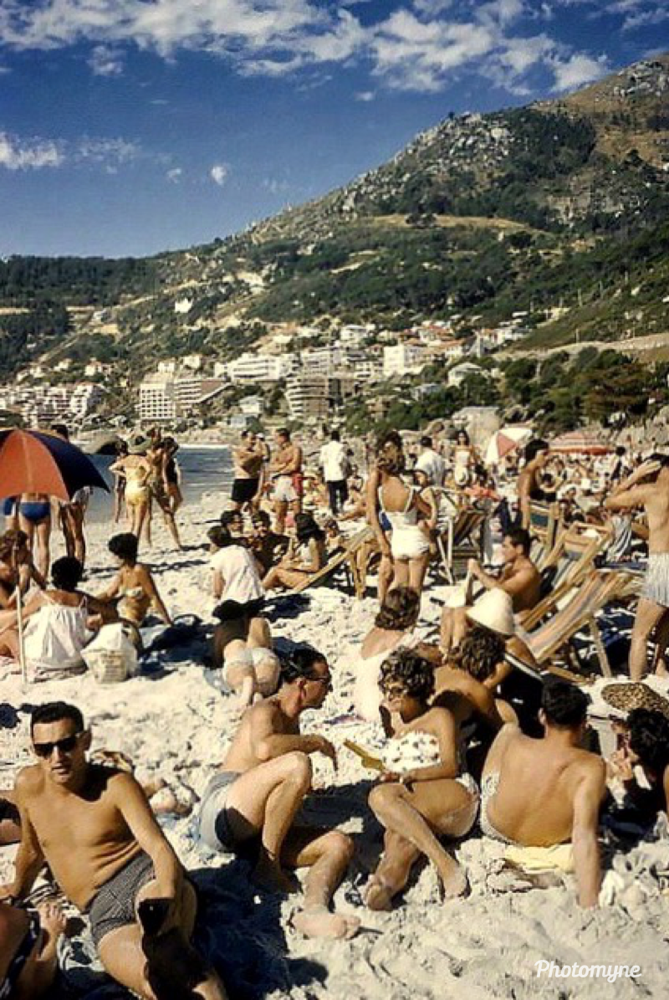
(175, 720)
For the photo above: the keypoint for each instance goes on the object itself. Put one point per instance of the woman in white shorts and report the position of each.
(411, 519)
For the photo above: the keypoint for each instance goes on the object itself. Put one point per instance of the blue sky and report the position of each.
(128, 127)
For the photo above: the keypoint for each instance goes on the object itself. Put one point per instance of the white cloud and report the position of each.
(106, 61)
(365, 95)
(29, 154)
(219, 173)
(578, 70)
(174, 175)
(111, 152)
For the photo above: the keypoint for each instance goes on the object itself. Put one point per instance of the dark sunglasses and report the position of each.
(66, 745)
(320, 680)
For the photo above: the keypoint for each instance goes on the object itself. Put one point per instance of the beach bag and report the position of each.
(111, 656)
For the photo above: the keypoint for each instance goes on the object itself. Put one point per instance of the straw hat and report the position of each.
(139, 444)
(626, 697)
(494, 610)
(461, 476)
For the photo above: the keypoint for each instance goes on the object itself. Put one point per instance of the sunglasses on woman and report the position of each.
(66, 745)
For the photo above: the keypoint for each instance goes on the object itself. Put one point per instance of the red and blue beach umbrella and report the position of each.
(41, 462)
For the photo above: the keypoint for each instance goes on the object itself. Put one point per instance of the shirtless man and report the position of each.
(536, 456)
(543, 792)
(248, 458)
(94, 828)
(263, 781)
(284, 466)
(519, 578)
(653, 603)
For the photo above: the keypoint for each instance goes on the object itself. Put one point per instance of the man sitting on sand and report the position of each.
(263, 781)
(545, 792)
(94, 828)
(520, 579)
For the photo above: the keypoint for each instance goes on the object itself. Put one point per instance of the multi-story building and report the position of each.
(403, 359)
(43, 404)
(322, 360)
(313, 397)
(157, 398)
(259, 367)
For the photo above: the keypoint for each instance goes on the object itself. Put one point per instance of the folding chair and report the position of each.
(345, 555)
(544, 526)
(459, 543)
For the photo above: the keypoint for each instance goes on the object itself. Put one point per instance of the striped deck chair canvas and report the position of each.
(347, 554)
(593, 595)
(543, 530)
(457, 543)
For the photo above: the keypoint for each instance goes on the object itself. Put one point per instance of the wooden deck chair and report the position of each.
(555, 636)
(345, 556)
(544, 526)
(458, 543)
(572, 558)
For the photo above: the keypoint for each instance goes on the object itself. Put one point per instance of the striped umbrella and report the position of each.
(504, 441)
(580, 443)
(41, 462)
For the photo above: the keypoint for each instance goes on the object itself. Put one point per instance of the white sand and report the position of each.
(178, 724)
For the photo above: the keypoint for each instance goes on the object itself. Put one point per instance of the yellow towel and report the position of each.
(534, 859)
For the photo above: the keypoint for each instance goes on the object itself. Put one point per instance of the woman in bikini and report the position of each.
(158, 457)
(133, 586)
(424, 794)
(137, 472)
(16, 565)
(35, 521)
(305, 555)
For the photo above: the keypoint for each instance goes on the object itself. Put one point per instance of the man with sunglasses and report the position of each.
(251, 804)
(95, 829)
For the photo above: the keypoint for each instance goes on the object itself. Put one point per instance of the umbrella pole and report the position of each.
(19, 621)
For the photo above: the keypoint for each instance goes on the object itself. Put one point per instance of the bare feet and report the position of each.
(453, 879)
(318, 922)
(269, 875)
(379, 895)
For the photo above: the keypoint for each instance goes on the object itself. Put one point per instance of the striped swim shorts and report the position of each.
(656, 583)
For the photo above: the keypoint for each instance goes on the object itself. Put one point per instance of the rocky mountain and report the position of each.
(560, 208)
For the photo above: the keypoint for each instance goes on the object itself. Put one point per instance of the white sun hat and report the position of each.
(494, 610)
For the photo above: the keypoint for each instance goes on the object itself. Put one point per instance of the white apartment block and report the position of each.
(43, 404)
(403, 359)
(322, 360)
(308, 397)
(259, 367)
(157, 399)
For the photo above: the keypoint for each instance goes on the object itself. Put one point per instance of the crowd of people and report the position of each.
(463, 743)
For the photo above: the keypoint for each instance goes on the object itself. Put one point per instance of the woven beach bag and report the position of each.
(111, 656)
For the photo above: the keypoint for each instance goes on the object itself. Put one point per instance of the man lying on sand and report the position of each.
(94, 828)
(260, 787)
(539, 793)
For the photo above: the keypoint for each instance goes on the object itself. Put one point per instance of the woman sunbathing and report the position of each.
(305, 556)
(424, 793)
(133, 585)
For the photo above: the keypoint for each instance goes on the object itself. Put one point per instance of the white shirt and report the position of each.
(333, 460)
(433, 465)
(240, 575)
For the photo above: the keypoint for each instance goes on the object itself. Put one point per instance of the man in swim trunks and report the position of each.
(286, 471)
(248, 460)
(94, 828)
(529, 489)
(254, 799)
(548, 791)
(653, 495)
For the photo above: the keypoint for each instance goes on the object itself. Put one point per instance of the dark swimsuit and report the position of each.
(23, 953)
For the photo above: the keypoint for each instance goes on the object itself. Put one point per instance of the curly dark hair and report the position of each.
(407, 669)
(479, 653)
(399, 610)
(300, 663)
(649, 738)
(564, 704)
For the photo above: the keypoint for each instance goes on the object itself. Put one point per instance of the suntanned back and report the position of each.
(534, 803)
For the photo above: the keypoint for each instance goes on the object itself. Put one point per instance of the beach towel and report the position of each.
(535, 859)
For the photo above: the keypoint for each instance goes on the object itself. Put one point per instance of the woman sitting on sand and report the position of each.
(242, 641)
(392, 628)
(423, 794)
(136, 470)
(16, 564)
(57, 624)
(133, 585)
(305, 556)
